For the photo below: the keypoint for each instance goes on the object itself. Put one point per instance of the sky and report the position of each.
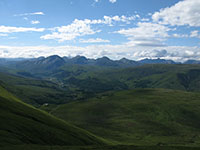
(133, 29)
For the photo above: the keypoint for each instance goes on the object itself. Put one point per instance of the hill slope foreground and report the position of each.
(141, 116)
(24, 124)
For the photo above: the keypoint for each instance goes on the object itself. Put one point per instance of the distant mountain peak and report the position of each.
(156, 61)
(54, 57)
(192, 62)
(79, 60)
(49, 62)
(124, 58)
(105, 57)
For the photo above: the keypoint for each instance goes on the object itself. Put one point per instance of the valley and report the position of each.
(99, 107)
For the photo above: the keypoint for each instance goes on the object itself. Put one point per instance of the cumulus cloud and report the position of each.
(109, 20)
(112, 1)
(3, 34)
(80, 28)
(146, 34)
(175, 35)
(70, 32)
(195, 33)
(151, 53)
(25, 18)
(8, 29)
(160, 53)
(185, 12)
(146, 30)
(176, 53)
(30, 14)
(97, 40)
(145, 19)
(35, 22)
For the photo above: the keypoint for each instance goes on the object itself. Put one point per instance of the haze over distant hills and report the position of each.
(56, 61)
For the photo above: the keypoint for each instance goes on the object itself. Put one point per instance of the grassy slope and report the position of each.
(22, 124)
(78, 82)
(34, 91)
(116, 147)
(143, 116)
(180, 77)
(97, 80)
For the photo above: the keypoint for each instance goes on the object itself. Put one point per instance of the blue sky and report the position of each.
(168, 29)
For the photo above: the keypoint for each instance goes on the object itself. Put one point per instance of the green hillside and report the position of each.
(141, 116)
(161, 118)
(169, 76)
(35, 91)
(79, 82)
(23, 124)
(93, 79)
(115, 147)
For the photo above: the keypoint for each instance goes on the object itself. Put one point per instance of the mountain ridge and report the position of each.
(82, 60)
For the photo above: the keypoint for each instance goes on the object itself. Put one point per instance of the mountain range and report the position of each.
(55, 61)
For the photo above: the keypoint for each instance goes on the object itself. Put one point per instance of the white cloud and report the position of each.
(25, 18)
(195, 33)
(35, 22)
(8, 29)
(80, 28)
(176, 53)
(112, 1)
(60, 36)
(137, 15)
(146, 34)
(185, 12)
(30, 14)
(70, 32)
(3, 34)
(180, 35)
(146, 29)
(97, 40)
(109, 20)
(145, 19)
(37, 13)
